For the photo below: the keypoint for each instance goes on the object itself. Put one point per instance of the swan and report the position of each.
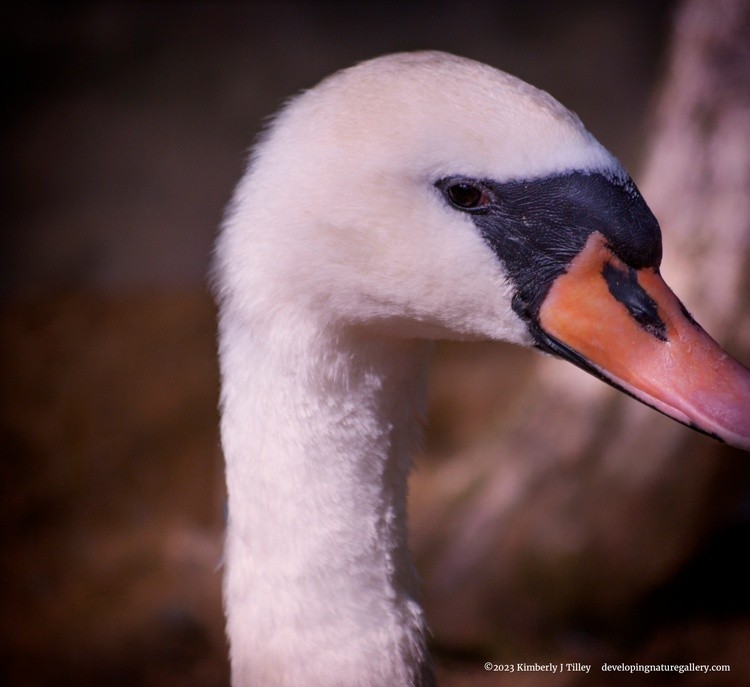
(412, 197)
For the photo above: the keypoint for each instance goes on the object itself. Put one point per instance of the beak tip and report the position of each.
(740, 441)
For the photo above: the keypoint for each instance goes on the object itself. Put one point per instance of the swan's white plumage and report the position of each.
(336, 251)
(338, 200)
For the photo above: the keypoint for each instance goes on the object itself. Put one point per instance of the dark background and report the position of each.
(125, 127)
(126, 123)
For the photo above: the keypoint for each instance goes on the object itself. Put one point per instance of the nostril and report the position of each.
(624, 287)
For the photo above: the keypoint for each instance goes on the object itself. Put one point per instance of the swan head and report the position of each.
(427, 195)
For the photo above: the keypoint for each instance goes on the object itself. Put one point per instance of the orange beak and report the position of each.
(627, 327)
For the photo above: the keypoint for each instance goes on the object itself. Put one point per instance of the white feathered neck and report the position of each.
(318, 432)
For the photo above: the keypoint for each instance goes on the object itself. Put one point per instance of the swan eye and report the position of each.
(466, 196)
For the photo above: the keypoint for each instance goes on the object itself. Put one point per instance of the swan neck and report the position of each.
(318, 430)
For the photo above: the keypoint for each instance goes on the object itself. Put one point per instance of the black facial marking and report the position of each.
(537, 227)
(624, 286)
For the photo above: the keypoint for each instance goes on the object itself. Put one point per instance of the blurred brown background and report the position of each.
(552, 519)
